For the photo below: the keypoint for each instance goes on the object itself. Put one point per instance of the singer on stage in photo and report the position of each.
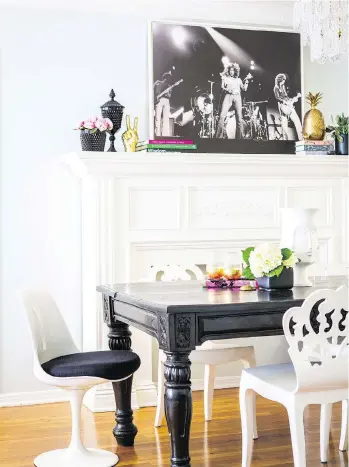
(286, 107)
(162, 105)
(232, 85)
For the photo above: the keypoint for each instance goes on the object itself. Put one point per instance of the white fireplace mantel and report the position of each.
(271, 165)
(141, 209)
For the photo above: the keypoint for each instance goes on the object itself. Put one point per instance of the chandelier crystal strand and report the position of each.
(323, 25)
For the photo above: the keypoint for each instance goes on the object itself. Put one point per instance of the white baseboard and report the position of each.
(50, 396)
(101, 398)
(221, 382)
(147, 394)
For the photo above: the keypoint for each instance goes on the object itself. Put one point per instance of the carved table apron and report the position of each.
(181, 316)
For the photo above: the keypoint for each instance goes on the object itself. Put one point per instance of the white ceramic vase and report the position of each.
(298, 232)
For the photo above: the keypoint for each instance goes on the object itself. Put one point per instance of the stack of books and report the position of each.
(164, 145)
(314, 148)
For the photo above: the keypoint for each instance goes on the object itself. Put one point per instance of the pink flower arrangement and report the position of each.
(94, 124)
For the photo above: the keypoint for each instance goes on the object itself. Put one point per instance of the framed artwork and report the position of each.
(230, 89)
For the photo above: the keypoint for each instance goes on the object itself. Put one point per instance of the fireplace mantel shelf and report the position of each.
(252, 165)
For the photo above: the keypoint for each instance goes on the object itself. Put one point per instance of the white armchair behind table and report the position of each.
(317, 333)
(210, 354)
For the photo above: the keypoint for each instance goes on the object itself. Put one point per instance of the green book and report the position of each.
(168, 151)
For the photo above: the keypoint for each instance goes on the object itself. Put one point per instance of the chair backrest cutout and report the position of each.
(174, 272)
(317, 333)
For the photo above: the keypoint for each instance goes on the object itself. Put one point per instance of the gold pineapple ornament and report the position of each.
(314, 124)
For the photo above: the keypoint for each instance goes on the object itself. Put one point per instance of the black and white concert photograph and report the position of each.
(228, 89)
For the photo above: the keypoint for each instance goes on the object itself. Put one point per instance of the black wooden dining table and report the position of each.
(183, 315)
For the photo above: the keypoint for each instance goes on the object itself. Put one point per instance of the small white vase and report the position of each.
(298, 232)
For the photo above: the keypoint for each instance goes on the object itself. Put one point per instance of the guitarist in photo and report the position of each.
(162, 105)
(286, 107)
(232, 86)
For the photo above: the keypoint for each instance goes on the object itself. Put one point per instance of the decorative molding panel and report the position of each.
(153, 208)
(233, 208)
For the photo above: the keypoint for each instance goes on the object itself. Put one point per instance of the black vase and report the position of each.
(342, 146)
(284, 281)
(92, 141)
(114, 111)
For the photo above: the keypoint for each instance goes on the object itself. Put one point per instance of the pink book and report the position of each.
(171, 141)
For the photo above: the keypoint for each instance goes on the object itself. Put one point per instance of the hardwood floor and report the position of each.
(28, 431)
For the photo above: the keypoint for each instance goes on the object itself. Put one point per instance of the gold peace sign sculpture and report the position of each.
(130, 136)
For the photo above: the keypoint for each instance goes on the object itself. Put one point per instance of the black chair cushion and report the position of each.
(109, 364)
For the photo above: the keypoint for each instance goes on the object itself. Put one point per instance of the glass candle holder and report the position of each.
(232, 271)
(215, 266)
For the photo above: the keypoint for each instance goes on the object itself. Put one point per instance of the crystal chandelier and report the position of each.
(324, 27)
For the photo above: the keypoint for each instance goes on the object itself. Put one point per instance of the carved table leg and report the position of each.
(124, 431)
(178, 406)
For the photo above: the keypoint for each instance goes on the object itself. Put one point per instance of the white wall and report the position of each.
(57, 67)
(330, 79)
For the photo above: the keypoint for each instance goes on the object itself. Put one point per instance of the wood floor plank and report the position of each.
(25, 432)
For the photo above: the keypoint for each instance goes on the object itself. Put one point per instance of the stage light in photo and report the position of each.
(232, 51)
(180, 36)
(226, 62)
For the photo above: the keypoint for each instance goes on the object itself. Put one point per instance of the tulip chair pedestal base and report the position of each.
(76, 458)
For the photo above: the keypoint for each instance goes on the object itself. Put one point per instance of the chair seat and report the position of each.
(282, 376)
(111, 365)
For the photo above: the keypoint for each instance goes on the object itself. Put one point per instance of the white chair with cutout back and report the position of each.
(58, 362)
(317, 334)
(210, 354)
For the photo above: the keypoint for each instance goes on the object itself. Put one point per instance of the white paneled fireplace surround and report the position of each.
(138, 210)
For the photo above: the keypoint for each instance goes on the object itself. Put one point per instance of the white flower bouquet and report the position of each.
(267, 260)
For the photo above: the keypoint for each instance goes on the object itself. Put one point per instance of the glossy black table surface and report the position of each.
(188, 296)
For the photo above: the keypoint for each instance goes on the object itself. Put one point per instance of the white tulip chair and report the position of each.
(317, 334)
(58, 362)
